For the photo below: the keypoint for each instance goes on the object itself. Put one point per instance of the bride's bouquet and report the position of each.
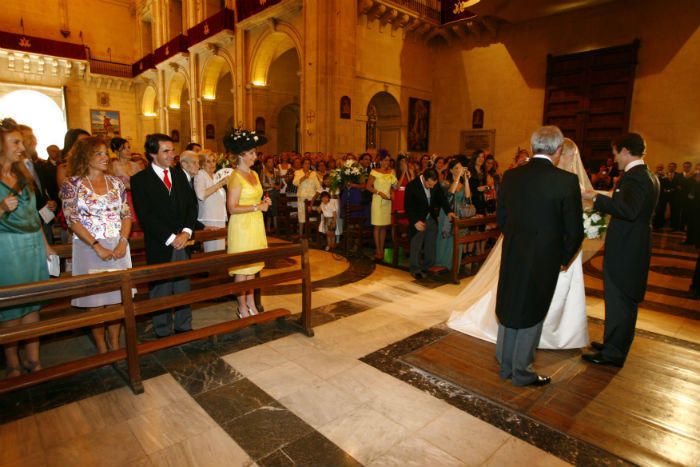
(349, 172)
(594, 224)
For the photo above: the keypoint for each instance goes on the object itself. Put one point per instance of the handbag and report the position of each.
(466, 209)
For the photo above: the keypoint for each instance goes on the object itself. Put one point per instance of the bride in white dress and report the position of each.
(566, 326)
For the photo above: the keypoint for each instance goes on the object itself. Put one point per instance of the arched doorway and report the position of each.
(39, 111)
(217, 101)
(179, 111)
(383, 123)
(288, 138)
(149, 111)
(276, 80)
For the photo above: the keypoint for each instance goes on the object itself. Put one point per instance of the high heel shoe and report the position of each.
(31, 366)
(12, 372)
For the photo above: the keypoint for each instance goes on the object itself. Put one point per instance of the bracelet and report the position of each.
(123, 238)
(95, 242)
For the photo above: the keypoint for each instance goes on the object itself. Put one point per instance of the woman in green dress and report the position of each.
(23, 247)
(459, 197)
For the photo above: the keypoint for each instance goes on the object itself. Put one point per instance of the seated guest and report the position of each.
(211, 197)
(23, 247)
(96, 209)
(423, 202)
(246, 227)
(167, 210)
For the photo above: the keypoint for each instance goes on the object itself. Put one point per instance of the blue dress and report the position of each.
(443, 247)
(22, 248)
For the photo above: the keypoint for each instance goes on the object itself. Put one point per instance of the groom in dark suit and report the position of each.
(167, 211)
(423, 202)
(627, 248)
(540, 215)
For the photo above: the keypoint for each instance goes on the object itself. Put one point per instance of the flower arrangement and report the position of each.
(349, 172)
(223, 162)
(594, 224)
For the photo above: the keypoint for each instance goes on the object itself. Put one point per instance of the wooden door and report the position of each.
(588, 95)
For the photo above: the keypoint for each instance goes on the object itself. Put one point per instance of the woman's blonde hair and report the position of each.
(79, 157)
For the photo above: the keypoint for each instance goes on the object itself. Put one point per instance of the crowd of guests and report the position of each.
(96, 193)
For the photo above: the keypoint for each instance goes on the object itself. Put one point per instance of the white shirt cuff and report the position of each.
(170, 240)
(188, 232)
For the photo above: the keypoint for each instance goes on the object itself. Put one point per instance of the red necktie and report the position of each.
(166, 180)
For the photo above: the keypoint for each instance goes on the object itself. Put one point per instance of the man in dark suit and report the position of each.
(167, 211)
(423, 202)
(540, 215)
(627, 248)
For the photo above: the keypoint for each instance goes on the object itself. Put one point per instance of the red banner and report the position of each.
(38, 45)
(223, 20)
(173, 47)
(247, 8)
(456, 10)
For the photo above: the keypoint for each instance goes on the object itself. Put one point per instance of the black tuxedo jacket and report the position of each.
(417, 206)
(628, 239)
(162, 213)
(541, 216)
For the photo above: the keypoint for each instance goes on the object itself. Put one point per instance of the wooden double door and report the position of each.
(589, 95)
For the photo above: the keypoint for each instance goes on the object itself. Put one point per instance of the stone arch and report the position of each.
(178, 82)
(270, 46)
(149, 106)
(383, 129)
(214, 68)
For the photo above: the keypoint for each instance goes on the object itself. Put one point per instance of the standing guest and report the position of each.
(423, 203)
(539, 213)
(687, 183)
(47, 171)
(70, 139)
(381, 183)
(211, 198)
(23, 247)
(194, 147)
(493, 183)
(425, 163)
(459, 198)
(694, 230)
(96, 209)
(602, 180)
(611, 168)
(329, 219)
(271, 182)
(669, 182)
(168, 211)
(44, 203)
(627, 248)
(676, 197)
(441, 167)
(522, 157)
(246, 227)
(404, 174)
(308, 186)
(123, 167)
(189, 163)
(478, 182)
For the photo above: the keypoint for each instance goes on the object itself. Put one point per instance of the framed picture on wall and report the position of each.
(105, 123)
(418, 124)
(345, 107)
(175, 136)
(471, 140)
(209, 131)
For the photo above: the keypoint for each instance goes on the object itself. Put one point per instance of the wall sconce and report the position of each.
(258, 83)
(208, 97)
(174, 106)
(150, 114)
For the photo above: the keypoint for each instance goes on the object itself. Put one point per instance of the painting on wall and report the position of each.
(260, 125)
(418, 124)
(105, 123)
(210, 132)
(103, 99)
(471, 140)
(345, 107)
(175, 136)
(478, 118)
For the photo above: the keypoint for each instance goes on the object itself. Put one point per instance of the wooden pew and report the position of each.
(127, 311)
(474, 236)
(400, 235)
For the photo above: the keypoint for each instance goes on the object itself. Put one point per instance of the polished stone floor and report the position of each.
(269, 396)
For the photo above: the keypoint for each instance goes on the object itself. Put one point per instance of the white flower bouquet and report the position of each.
(349, 172)
(594, 224)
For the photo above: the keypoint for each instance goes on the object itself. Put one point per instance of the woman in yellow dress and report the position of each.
(381, 183)
(246, 227)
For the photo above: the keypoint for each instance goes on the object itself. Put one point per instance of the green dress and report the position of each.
(22, 248)
(443, 247)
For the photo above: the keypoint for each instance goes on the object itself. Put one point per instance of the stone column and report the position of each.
(196, 117)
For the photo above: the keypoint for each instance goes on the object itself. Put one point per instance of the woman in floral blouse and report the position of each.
(96, 210)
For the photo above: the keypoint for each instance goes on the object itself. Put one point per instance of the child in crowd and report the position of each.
(329, 221)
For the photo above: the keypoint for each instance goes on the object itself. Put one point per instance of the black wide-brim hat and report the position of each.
(237, 141)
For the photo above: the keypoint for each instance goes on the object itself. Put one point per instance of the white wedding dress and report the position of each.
(565, 326)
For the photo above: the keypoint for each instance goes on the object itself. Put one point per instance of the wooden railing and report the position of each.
(478, 231)
(129, 309)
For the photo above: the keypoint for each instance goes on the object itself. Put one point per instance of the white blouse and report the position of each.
(213, 207)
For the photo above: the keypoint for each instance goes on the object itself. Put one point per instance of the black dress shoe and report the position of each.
(599, 359)
(597, 345)
(540, 381)
(418, 275)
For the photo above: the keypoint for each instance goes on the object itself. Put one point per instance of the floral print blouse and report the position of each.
(101, 215)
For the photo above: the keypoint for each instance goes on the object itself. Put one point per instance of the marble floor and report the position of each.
(271, 397)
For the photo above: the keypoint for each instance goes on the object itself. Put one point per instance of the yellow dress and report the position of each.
(381, 208)
(246, 231)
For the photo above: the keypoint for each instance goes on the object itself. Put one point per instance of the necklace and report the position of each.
(104, 179)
